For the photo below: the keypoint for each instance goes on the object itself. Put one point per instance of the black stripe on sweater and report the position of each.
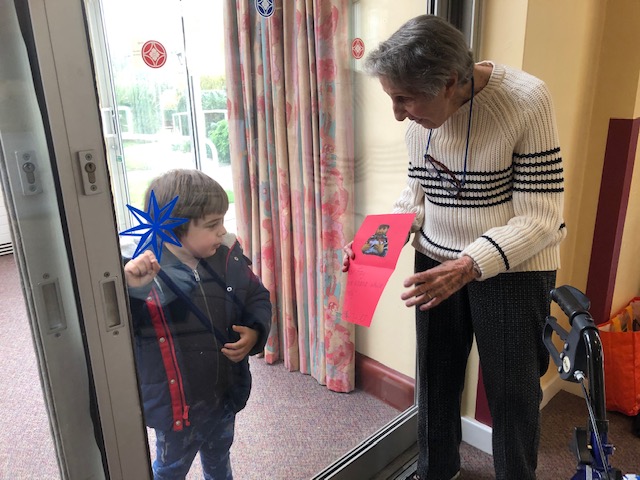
(538, 190)
(538, 182)
(537, 154)
(504, 257)
(545, 172)
(431, 242)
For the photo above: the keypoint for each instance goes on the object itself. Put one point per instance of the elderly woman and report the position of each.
(485, 181)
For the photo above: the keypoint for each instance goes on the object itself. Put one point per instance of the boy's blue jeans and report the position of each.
(210, 433)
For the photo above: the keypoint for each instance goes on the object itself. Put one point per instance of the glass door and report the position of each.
(72, 312)
(160, 75)
(72, 161)
(161, 82)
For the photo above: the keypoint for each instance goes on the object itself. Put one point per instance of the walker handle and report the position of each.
(571, 300)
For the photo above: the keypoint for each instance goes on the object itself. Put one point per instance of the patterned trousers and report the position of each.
(507, 315)
(210, 433)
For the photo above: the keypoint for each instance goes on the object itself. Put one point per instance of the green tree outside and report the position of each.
(220, 138)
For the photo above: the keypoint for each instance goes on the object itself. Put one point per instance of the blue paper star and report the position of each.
(156, 226)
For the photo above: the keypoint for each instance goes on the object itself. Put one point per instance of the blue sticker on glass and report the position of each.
(155, 226)
(265, 8)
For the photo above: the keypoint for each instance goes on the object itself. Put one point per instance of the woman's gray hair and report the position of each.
(422, 55)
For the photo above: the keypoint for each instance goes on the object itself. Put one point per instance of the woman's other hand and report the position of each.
(348, 256)
(433, 286)
(140, 271)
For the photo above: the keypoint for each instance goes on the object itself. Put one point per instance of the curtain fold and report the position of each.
(289, 88)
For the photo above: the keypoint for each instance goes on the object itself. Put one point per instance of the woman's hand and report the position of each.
(433, 286)
(140, 271)
(238, 350)
(348, 256)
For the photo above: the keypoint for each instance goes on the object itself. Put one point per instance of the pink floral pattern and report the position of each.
(291, 138)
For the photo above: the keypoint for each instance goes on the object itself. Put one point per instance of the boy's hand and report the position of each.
(240, 349)
(141, 270)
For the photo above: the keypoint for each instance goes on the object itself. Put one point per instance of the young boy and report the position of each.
(197, 315)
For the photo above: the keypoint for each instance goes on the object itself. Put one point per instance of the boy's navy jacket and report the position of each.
(177, 345)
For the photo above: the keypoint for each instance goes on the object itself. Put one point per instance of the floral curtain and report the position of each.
(291, 138)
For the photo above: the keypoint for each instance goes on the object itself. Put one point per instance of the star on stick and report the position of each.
(155, 227)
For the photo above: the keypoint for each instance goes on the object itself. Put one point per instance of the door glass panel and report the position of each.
(45, 378)
(161, 108)
(151, 94)
(303, 425)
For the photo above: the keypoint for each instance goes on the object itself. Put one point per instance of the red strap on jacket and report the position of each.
(179, 407)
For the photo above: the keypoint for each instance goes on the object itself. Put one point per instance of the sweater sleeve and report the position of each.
(538, 186)
(411, 199)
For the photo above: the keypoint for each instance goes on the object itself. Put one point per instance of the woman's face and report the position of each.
(430, 112)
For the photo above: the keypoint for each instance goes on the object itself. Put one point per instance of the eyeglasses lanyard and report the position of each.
(466, 150)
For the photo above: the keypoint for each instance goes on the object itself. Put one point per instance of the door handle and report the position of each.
(112, 303)
(53, 309)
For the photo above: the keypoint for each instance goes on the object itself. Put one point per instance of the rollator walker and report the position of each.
(581, 359)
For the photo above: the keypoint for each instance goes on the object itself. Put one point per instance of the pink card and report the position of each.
(377, 246)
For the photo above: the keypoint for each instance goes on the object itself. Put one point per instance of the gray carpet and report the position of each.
(292, 427)
(555, 460)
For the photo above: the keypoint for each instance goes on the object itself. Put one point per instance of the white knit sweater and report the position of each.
(509, 214)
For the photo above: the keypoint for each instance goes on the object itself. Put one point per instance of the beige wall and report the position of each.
(628, 279)
(620, 66)
(381, 169)
(586, 51)
(381, 172)
(502, 31)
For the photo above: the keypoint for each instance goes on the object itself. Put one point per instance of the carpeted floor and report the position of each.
(555, 460)
(292, 427)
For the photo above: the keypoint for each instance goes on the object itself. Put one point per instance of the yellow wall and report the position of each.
(620, 66)
(628, 277)
(587, 52)
(502, 31)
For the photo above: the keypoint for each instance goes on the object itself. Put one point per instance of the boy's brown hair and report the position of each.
(198, 195)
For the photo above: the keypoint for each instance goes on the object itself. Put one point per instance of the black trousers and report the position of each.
(507, 315)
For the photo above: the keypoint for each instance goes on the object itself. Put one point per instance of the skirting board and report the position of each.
(477, 434)
(396, 390)
(384, 383)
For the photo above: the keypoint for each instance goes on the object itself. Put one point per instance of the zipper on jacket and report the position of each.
(206, 305)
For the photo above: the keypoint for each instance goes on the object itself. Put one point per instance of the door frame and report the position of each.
(69, 90)
(58, 46)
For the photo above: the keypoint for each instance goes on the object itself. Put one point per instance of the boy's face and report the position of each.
(204, 235)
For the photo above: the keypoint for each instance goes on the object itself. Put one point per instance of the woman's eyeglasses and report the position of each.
(449, 181)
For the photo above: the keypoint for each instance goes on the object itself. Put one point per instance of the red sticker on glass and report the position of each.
(357, 48)
(154, 54)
